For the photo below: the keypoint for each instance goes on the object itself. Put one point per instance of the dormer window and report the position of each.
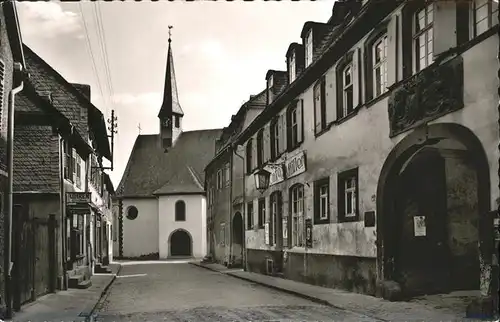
(291, 68)
(270, 82)
(309, 48)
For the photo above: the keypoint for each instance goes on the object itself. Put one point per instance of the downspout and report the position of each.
(62, 205)
(244, 208)
(18, 69)
(231, 230)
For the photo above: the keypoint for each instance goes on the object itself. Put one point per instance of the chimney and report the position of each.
(83, 89)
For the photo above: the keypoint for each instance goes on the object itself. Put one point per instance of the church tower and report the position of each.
(170, 115)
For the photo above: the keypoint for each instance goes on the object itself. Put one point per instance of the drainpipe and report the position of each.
(244, 208)
(19, 72)
(62, 207)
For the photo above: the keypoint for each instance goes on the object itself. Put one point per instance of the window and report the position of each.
(180, 211)
(319, 106)
(347, 91)
(275, 214)
(379, 58)
(260, 148)
(485, 15)
(132, 213)
(249, 156)
(297, 214)
(321, 200)
(68, 170)
(291, 68)
(177, 121)
(250, 215)
(309, 48)
(262, 212)
(78, 180)
(295, 124)
(275, 138)
(219, 179)
(77, 236)
(422, 37)
(348, 195)
(73, 165)
(227, 175)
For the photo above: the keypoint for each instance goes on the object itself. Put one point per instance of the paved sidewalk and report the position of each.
(71, 305)
(368, 305)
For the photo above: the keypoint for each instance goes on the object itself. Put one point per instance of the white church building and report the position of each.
(161, 197)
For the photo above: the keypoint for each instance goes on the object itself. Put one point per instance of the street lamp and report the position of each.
(262, 176)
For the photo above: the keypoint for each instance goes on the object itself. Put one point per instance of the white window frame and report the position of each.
(350, 196)
(309, 48)
(297, 210)
(294, 126)
(380, 65)
(428, 33)
(291, 68)
(323, 201)
(345, 87)
(491, 16)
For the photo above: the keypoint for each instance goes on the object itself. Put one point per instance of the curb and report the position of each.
(90, 317)
(284, 290)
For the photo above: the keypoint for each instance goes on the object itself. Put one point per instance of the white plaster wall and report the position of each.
(140, 236)
(195, 223)
(363, 141)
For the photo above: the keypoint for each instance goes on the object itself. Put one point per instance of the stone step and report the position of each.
(75, 280)
(102, 269)
(84, 284)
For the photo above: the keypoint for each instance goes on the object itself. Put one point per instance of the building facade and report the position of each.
(161, 196)
(382, 152)
(49, 164)
(12, 74)
(224, 183)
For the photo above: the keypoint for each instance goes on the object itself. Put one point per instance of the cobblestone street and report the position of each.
(183, 292)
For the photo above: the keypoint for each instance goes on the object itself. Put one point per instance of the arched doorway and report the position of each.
(237, 246)
(433, 199)
(180, 243)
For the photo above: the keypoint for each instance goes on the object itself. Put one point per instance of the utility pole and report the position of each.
(113, 125)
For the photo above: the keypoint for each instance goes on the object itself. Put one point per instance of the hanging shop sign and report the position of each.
(78, 202)
(309, 230)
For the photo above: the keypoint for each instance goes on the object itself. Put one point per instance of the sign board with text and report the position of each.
(78, 202)
(295, 165)
(277, 175)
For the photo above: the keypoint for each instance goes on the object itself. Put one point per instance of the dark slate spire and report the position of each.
(170, 103)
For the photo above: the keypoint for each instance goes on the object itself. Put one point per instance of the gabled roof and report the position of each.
(150, 171)
(170, 97)
(40, 72)
(36, 165)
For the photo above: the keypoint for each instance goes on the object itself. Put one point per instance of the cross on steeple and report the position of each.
(170, 33)
(139, 127)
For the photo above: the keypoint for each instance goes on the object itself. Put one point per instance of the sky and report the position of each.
(222, 51)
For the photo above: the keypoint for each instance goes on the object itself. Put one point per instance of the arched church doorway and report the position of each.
(180, 243)
(237, 247)
(433, 198)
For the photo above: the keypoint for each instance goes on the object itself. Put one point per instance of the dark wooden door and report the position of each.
(42, 256)
(180, 244)
(23, 257)
(423, 257)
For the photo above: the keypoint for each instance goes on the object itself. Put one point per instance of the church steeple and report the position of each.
(170, 115)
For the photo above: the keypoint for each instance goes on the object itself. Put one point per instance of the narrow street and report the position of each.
(183, 292)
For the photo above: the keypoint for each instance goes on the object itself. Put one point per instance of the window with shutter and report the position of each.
(267, 143)
(260, 148)
(261, 212)
(249, 151)
(73, 163)
(275, 138)
(78, 171)
(319, 106)
(283, 133)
